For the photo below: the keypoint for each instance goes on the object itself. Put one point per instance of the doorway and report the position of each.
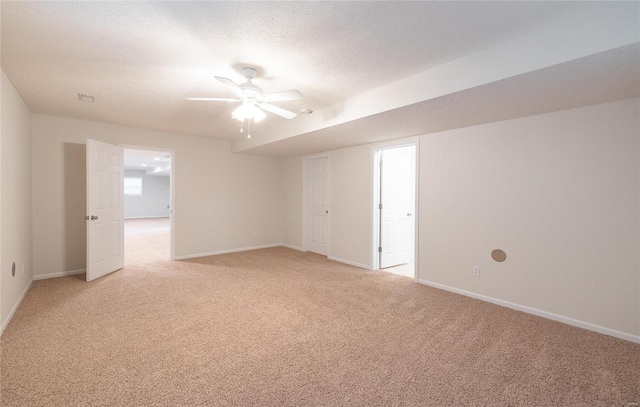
(148, 205)
(316, 207)
(394, 211)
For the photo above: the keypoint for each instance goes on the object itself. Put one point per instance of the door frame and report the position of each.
(172, 188)
(305, 206)
(375, 195)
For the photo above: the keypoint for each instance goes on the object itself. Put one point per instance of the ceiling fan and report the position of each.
(253, 99)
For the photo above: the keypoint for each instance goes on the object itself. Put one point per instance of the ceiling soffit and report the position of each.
(588, 34)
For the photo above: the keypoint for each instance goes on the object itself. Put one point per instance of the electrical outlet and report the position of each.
(476, 271)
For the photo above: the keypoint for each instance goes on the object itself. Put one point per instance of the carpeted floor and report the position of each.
(146, 241)
(277, 327)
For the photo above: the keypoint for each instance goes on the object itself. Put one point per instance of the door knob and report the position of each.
(93, 217)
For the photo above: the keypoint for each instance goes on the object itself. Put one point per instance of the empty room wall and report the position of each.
(155, 199)
(350, 213)
(351, 206)
(15, 198)
(559, 192)
(224, 201)
(292, 202)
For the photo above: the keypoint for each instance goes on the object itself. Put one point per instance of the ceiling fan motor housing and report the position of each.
(252, 91)
(248, 72)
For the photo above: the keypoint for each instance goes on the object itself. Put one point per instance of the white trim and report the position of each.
(416, 250)
(214, 253)
(374, 214)
(290, 246)
(304, 204)
(15, 308)
(351, 263)
(59, 274)
(305, 187)
(172, 188)
(537, 312)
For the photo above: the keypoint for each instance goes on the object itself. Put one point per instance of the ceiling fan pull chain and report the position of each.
(249, 125)
(241, 130)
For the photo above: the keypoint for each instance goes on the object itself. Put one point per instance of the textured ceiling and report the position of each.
(140, 59)
(605, 77)
(146, 160)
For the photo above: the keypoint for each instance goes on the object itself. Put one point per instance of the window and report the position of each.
(133, 186)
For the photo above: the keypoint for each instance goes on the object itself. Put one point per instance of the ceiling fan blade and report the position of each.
(277, 110)
(231, 85)
(282, 96)
(214, 99)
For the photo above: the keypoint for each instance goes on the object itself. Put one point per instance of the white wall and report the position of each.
(2, 80)
(15, 207)
(155, 199)
(350, 213)
(558, 192)
(224, 201)
(292, 202)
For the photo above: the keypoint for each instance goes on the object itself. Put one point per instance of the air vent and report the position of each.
(499, 255)
(85, 98)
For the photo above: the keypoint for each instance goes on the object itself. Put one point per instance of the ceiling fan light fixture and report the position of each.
(248, 112)
(255, 103)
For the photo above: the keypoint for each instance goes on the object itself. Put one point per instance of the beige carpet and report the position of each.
(146, 241)
(277, 327)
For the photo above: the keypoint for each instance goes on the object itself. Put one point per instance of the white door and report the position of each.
(318, 205)
(397, 196)
(105, 209)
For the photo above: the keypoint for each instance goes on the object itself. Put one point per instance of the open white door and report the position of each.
(318, 205)
(397, 197)
(105, 209)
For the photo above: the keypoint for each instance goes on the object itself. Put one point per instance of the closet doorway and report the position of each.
(395, 209)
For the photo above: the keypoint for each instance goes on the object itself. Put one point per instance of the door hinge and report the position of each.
(379, 206)
(381, 163)
(379, 249)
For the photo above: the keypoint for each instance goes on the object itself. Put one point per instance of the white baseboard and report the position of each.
(351, 263)
(15, 308)
(544, 314)
(241, 249)
(293, 247)
(60, 274)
